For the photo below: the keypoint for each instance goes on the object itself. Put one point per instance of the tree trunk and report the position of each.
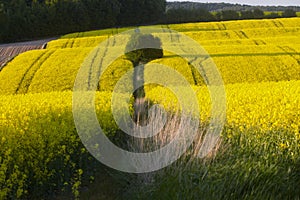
(140, 107)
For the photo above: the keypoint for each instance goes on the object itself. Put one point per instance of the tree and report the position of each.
(136, 12)
(289, 13)
(229, 15)
(218, 16)
(25, 19)
(272, 15)
(3, 22)
(143, 55)
(102, 13)
(139, 55)
(180, 15)
(18, 18)
(247, 14)
(258, 14)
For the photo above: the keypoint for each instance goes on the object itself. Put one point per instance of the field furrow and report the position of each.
(31, 71)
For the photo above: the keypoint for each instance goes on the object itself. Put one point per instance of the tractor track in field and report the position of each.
(101, 61)
(98, 69)
(221, 26)
(241, 34)
(11, 50)
(278, 24)
(192, 68)
(91, 69)
(72, 43)
(259, 42)
(195, 71)
(31, 71)
(291, 52)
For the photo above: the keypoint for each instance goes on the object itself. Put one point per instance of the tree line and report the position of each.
(213, 7)
(181, 15)
(30, 19)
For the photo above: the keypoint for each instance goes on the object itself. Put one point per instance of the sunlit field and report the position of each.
(258, 156)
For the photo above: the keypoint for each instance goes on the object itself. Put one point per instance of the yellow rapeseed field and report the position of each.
(261, 106)
(259, 61)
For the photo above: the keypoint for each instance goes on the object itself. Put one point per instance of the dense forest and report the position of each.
(30, 19)
(25, 19)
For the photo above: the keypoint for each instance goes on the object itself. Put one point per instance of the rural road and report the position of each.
(10, 50)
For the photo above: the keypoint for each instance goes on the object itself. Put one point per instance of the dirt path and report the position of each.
(10, 50)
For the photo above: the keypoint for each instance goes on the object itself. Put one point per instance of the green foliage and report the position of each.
(272, 15)
(258, 14)
(141, 49)
(25, 19)
(247, 14)
(137, 12)
(199, 14)
(181, 15)
(289, 13)
(144, 54)
(250, 167)
(229, 15)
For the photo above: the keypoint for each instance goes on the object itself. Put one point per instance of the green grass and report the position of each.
(246, 167)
